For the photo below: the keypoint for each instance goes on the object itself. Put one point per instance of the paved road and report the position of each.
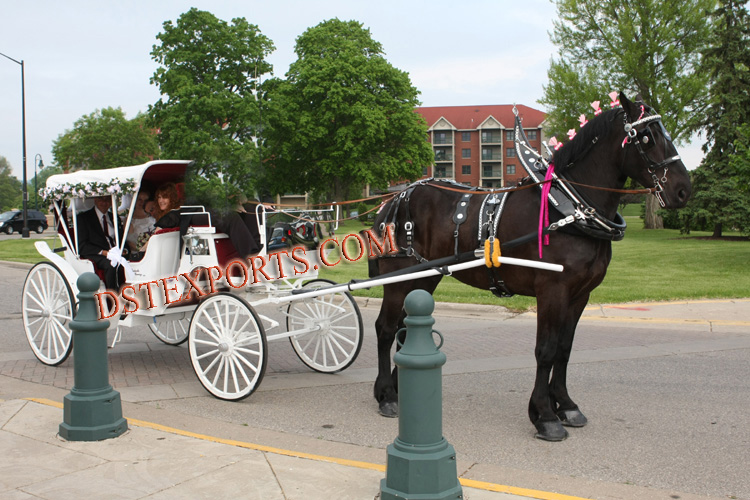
(667, 396)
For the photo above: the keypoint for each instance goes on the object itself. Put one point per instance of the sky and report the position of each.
(84, 55)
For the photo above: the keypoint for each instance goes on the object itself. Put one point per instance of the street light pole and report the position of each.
(40, 164)
(25, 231)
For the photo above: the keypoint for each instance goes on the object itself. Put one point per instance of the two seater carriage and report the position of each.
(227, 337)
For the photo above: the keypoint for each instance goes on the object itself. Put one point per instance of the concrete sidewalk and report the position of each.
(157, 462)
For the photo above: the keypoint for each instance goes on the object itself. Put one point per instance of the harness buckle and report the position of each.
(408, 225)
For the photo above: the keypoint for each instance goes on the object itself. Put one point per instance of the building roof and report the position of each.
(471, 117)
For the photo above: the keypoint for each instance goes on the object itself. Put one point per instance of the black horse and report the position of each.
(626, 142)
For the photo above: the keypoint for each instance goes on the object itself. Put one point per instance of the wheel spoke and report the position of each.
(335, 335)
(205, 355)
(247, 351)
(218, 370)
(207, 331)
(232, 362)
(240, 359)
(245, 361)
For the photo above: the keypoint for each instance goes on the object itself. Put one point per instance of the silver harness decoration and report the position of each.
(644, 141)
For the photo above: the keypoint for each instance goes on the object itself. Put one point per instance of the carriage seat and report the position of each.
(161, 258)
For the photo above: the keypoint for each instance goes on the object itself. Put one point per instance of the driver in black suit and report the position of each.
(95, 239)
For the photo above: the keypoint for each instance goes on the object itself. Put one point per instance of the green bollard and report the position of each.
(92, 411)
(421, 463)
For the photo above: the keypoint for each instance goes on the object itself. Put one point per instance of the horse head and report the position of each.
(650, 157)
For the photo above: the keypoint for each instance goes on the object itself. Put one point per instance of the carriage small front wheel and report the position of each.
(330, 328)
(47, 308)
(171, 331)
(227, 345)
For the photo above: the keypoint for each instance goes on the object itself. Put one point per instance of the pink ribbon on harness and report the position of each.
(544, 208)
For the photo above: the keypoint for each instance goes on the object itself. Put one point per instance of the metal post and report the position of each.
(93, 409)
(25, 230)
(421, 463)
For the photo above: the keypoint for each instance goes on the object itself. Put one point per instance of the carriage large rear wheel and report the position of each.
(227, 346)
(331, 329)
(47, 308)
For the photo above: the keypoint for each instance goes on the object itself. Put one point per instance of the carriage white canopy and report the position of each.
(119, 180)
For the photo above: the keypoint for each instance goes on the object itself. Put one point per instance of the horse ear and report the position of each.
(627, 105)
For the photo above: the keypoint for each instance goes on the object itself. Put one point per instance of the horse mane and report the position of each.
(596, 128)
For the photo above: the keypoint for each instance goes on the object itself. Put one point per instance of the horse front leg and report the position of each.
(551, 319)
(385, 389)
(389, 322)
(567, 411)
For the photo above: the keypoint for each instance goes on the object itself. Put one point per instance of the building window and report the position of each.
(466, 136)
(441, 172)
(466, 169)
(466, 153)
(441, 138)
(531, 135)
(491, 136)
(510, 153)
(510, 169)
(509, 135)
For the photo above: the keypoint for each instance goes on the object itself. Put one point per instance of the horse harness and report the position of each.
(575, 211)
(490, 212)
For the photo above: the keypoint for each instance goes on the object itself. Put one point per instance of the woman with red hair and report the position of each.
(167, 204)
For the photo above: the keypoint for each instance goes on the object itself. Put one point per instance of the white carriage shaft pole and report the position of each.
(415, 276)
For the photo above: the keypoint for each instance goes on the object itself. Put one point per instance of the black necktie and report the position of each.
(105, 226)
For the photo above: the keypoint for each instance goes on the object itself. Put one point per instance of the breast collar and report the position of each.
(576, 212)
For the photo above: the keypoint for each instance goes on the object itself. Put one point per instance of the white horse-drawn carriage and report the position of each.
(190, 286)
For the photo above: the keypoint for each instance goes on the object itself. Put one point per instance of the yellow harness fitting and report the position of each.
(496, 252)
(492, 252)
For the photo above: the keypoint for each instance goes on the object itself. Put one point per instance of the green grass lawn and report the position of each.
(648, 265)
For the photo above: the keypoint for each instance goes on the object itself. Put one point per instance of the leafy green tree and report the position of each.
(570, 86)
(208, 78)
(10, 187)
(105, 139)
(740, 161)
(41, 180)
(720, 183)
(649, 47)
(343, 118)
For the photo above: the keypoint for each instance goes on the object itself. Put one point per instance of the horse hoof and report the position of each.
(572, 418)
(550, 431)
(389, 409)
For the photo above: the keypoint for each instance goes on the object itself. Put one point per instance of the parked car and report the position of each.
(12, 220)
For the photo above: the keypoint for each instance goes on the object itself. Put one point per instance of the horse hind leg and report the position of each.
(567, 410)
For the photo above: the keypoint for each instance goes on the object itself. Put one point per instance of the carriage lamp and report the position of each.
(195, 245)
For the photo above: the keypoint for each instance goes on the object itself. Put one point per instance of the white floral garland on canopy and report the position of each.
(88, 189)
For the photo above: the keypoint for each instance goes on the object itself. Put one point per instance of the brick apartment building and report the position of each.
(474, 144)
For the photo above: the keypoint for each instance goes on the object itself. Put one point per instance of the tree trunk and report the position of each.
(717, 230)
(652, 220)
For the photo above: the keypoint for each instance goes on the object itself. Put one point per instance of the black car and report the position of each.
(12, 220)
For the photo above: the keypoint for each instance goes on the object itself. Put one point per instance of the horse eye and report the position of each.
(647, 138)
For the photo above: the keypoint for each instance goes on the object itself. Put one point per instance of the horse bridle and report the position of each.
(644, 140)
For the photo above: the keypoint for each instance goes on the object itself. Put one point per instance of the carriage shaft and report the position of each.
(444, 270)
